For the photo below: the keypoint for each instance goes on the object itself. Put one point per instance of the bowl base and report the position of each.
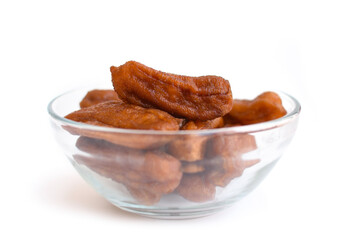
(168, 208)
(175, 214)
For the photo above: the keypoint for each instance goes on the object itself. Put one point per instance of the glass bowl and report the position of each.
(172, 174)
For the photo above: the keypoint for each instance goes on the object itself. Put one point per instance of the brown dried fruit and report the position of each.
(265, 107)
(147, 166)
(192, 167)
(128, 178)
(147, 175)
(192, 147)
(131, 140)
(122, 115)
(188, 148)
(230, 144)
(96, 96)
(118, 114)
(225, 153)
(139, 192)
(195, 187)
(209, 124)
(231, 168)
(197, 98)
(143, 196)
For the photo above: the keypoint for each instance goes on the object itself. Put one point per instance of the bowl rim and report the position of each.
(251, 128)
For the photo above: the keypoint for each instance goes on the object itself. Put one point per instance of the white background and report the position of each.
(310, 49)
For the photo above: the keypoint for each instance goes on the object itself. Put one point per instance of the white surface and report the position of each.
(307, 48)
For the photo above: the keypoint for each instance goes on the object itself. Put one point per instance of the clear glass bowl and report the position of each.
(140, 170)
